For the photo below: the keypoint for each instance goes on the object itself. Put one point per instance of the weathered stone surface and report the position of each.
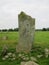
(26, 32)
(24, 57)
(33, 59)
(46, 52)
(39, 56)
(29, 63)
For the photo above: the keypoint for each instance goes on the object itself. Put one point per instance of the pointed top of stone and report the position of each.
(22, 13)
(23, 16)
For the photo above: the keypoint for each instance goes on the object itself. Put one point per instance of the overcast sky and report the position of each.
(9, 10)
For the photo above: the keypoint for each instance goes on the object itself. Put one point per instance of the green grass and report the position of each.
(11, 41)
(41, 40)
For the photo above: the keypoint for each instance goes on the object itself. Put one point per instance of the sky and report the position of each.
(38, 9)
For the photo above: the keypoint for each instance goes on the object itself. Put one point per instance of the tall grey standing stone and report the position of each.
(26, 32)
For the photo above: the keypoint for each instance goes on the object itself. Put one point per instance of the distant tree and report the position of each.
(16, 29)
(38, 29)
(0, 30)
(44, 29)
(10, 30)
(47, 29)
(4, 30)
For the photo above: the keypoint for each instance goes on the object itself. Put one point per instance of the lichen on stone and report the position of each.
(22, 16)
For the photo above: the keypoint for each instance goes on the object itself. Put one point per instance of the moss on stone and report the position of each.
(22, 16)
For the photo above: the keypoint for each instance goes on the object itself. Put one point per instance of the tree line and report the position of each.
(7, 30)
(17, 29)
(43, 29)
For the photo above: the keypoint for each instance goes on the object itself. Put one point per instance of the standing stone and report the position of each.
(26, 32)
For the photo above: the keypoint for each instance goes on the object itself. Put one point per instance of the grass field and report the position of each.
(41, 39)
